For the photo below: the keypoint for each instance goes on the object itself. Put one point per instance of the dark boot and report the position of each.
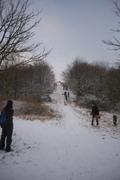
(97, 122)
(8, 149)
(9, 139)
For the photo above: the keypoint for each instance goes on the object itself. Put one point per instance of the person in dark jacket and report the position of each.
(65, 95)
(7, 128)
(115, 120)
(95, 114)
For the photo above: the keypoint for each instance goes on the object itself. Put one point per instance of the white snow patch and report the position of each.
(66, 148)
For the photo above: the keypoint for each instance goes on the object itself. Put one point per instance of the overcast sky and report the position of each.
(76, 28)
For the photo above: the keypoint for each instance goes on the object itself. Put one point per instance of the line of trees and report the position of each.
(27, 81)
(94, 83)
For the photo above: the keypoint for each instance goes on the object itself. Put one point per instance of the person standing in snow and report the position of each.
(95, 114)
(7, 128)
(115, 120)
(65, 95)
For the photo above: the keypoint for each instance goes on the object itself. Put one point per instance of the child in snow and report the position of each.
(7, 127)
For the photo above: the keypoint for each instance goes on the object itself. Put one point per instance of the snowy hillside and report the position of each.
(65, 148)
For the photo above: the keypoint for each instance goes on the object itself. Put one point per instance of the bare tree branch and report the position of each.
(16, 29)
(115, 43)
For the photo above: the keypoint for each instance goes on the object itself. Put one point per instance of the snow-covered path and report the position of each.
(66, 148)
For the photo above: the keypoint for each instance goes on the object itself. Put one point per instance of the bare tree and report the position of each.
(17, 23)
(115, 43)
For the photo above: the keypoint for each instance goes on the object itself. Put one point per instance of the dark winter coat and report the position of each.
(9, 112)
(95, 110)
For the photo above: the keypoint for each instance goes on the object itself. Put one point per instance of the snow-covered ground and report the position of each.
(65, 148)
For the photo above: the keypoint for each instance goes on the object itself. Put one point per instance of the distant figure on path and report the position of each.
(65, 95)
(95, 114)
(114, 120)
(7, 127)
